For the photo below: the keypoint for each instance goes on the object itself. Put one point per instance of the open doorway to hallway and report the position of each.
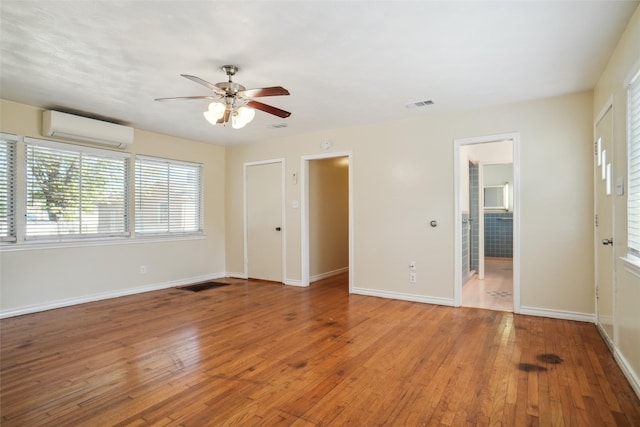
(328, 202)
(327, 217)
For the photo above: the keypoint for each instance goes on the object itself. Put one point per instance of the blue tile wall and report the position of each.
(465, 245)
(498, 235)
(474, 203)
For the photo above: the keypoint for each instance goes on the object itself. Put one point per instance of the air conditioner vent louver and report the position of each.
(418, 104)
(76, 128)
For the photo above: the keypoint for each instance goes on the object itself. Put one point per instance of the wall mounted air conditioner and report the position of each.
(68, 126)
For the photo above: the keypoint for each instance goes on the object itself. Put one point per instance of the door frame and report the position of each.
(282, 210)
(304, 214)
(608, 105)
(458, 144)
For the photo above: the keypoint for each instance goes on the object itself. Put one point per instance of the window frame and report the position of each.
(632, 88)
(84, 152)
(142, 159)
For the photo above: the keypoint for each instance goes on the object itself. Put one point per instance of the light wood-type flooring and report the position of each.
(495, 291)
(260, 354)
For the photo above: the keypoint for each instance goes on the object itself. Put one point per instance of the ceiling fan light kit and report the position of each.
(234, 103)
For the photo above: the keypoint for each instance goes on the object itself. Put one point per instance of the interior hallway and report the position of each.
(495, 292)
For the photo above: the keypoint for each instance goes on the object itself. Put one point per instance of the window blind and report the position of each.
(168, 196)
(7, 187)
(633, 153)
(75, 191)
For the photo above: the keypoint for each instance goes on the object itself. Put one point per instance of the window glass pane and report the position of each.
(73, 194)
(168, 195)
(633, 153)
(7, 187)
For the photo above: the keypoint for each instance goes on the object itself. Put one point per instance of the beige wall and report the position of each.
(328, 216)
(36, 276)
(402, 175)
(627, 277)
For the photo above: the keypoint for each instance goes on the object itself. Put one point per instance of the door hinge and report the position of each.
(596, 217)
(597, 293)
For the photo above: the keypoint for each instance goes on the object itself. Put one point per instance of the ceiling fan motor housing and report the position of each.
(231, 88)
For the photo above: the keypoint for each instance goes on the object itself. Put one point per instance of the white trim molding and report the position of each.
(628, 371)
(558, 314)
(450, 302)
(328, 274)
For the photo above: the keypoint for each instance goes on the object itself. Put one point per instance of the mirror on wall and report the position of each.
(497, 186)
(496, 196)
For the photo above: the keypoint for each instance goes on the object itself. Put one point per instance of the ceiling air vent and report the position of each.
(419, 104)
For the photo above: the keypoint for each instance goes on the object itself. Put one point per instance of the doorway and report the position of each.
(487, 228)
(264, 220)
(604, 223)
(328, 201)
(324, 227)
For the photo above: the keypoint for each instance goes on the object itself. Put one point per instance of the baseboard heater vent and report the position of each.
(203, 286)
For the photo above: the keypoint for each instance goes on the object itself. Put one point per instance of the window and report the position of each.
(633, 153)
(7, 187)
(74, 191)
(168, 196)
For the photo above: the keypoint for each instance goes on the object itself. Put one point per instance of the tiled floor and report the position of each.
(495, 292)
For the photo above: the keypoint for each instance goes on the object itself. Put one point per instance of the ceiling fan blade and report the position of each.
(264, 91)
(204, 83)
(268, 109)
(187, 98)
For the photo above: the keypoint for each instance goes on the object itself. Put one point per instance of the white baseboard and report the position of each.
(405, 297)
(628, 371)
(236, 275)
(622, 362)
(558, 314)
(105, 295)
(328, 274)
(294, 282)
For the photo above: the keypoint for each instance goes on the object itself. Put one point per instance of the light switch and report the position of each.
(620, 186)
(295, 204)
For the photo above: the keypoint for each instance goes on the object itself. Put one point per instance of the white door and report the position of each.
(604, 222)
(264, 221)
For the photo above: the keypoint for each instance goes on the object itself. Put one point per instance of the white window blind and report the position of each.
(7, 187)
(168, 196)
(633, 153)
(75, 191)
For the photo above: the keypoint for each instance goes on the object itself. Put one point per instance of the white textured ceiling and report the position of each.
(344, 62)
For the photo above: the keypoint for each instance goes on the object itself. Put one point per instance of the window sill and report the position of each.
(40, 245)
(632, 263)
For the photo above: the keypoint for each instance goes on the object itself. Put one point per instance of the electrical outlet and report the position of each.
(412, 278)
(412, 265)
(143, 269)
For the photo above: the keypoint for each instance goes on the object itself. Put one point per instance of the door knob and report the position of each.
(608, 241)
(278, 228)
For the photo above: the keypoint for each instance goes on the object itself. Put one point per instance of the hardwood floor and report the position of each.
(256, 353)
(495, 291)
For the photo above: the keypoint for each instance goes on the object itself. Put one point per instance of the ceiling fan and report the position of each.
(233, 102)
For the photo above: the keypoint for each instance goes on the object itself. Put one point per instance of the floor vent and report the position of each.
(418, 104)
(203, 286)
